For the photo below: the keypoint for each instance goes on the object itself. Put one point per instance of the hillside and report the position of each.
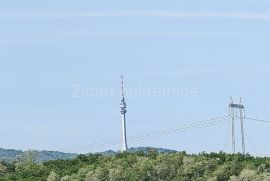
(9, 155)
(144, 166)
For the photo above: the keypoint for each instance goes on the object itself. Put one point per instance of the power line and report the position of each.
(184, 128)
(150, 136)
(250, 140)
(147, 133)
(226, 137)
(153, 134)
(143, 135)
(134, 140)
(259, 120)
(158, 133)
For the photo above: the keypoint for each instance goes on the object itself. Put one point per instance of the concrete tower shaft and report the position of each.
(123, 111)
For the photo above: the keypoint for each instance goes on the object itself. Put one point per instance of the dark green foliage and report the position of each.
(147, 165)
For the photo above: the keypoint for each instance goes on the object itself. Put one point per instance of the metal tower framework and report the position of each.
(234, 110)
(123, 110)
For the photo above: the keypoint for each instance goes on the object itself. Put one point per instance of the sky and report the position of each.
(61, 61)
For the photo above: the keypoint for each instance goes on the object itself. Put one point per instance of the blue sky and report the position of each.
(218, 48)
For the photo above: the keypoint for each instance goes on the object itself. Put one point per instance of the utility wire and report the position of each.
(134, 140)
(173, 130)
(143, 135)
(259, 120)
(147, 133)
(226, 137)
(250, 141)
(150, 136)
(249, 136)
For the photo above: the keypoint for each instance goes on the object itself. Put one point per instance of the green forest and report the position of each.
(145, 166)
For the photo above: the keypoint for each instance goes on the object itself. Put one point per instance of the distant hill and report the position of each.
(139, 149)
(146, 149)
(10, 155)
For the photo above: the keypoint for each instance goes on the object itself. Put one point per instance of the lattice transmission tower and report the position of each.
(237, 112)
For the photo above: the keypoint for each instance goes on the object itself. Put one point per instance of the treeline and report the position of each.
(145, 166)
(10, 155)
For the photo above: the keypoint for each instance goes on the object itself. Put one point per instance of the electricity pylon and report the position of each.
(233, 110)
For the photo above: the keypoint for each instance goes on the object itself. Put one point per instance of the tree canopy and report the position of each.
(144, 166)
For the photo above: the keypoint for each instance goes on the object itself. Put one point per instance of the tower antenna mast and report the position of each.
(123, 110)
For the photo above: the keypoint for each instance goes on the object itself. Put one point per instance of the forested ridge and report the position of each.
(145, 166)
(10, 155)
